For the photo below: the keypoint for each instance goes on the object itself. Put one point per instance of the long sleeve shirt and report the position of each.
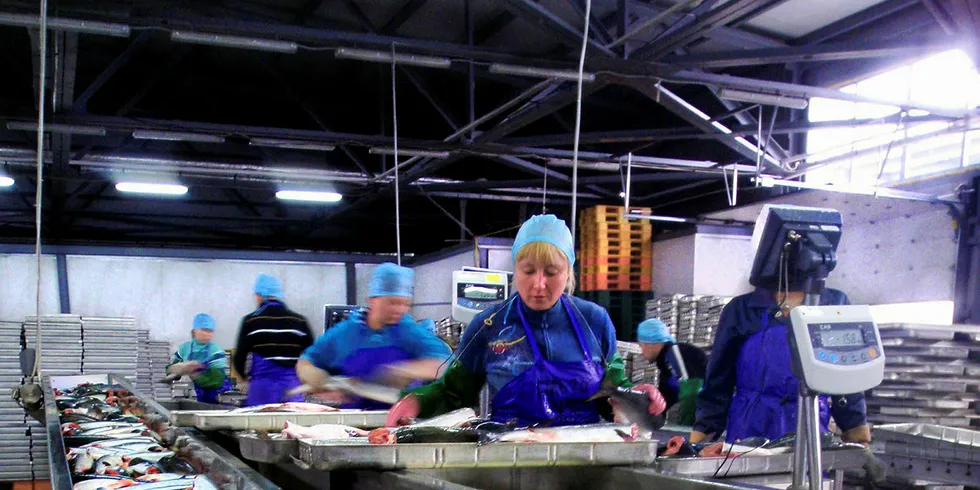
(274, 332)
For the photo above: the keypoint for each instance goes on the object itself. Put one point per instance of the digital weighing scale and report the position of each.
(475, 290)
(836, 349)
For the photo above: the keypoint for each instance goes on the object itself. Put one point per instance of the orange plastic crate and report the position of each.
(616, 282)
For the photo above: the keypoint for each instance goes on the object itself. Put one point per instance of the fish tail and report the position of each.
(626, 437)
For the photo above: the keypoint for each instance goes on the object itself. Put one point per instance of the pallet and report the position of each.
(616, 282)
(632, 249)
(609, 214)
(616, 269)
(615, 260)
(616, 232)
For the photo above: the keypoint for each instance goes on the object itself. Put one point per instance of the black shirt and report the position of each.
(274, 332)
(695, 361)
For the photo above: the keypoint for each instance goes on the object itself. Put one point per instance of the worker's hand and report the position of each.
(858, 435)
(408, 407)
(696, 436)
(194, 366)
(657, 403)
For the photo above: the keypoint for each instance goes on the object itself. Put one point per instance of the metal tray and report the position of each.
(266, 450)
(937, 369)
(912, 403)
(274, 421)
(928, 435)
(335, 455)
(907, 332)
(839, 459)
(948, 352)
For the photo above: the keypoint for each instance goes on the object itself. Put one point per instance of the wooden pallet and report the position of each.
(620, 232)
(616, 282)
(605, 260)
(619, 248)
(609, 214)
(617, 269)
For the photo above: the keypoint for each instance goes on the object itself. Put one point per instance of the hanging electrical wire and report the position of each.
(42, 69)
(394, 124)
(578, 114)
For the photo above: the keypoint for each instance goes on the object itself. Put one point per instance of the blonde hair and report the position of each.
(548, 254)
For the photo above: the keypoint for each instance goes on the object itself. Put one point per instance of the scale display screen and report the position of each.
(841, 338)
(481, 292)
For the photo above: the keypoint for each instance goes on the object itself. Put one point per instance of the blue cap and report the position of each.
(268, 286)
(428, 324)
(545, 228)
(653, 331)
(203, 321)
(391, 280)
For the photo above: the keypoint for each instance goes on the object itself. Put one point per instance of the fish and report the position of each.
(491, 426)
(321, 431)
(456, 418)
(109, 465)
(152, 477)
(575, 433)
(633, 405)
(723, 449)
(294, 407)
(152, 457)
(678, 446)
(788, 442)
(82, 463)
(173, 464)
(354, 386)
(103, 484)
(413, 434)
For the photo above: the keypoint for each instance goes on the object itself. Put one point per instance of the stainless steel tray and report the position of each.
(334, 455)
(840, 459)
(948, 352)
(936, 369)
(274, 421)
(958, 444)
(266, 450)
(916, 404)
(911, 332)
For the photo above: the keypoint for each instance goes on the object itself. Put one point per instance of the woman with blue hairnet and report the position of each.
(203, 361)
(544, 354)
(679, 386)
(382, 344)
(273, 336)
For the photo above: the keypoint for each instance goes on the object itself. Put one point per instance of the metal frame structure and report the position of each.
(638, 51)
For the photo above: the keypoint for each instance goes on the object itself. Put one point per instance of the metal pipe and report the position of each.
(799, 446)
(813, 440)
(650, 22)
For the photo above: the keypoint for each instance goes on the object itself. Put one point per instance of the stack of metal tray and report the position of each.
(930, 452)
(668, 311)
(637, 367)
(110, 345)
(23, 450)
(61, 342)
(144, 374)
(160, 356)
(687, 318)
(708, 316)
(930, 376)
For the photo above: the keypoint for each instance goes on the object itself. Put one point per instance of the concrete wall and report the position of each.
(673, 265)
(722, 264)
(18, 286)
(433, 285)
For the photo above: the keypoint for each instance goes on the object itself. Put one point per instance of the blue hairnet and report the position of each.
(428, 324)
(268, 286)
(203, 321)
(391, 280)
(653, 331)
(545, 228)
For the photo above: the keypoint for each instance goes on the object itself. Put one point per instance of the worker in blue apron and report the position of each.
(380, 344)
(661, 348)
(750, 389)
(544, 354)
(203, 360)
(273, 336)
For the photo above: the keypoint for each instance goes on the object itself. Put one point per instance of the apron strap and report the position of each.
(533, 342)
(567, 303)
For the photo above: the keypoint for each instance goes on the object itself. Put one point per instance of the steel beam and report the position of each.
(853, 22)
(351, 270)
(539, 15)
(521, 164)
(809, 53)
(402, 16)
(596, 26)
(492, 27)
(81, 103)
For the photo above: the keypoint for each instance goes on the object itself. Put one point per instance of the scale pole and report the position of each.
(799, 446)
(813, 439)
(806, 449)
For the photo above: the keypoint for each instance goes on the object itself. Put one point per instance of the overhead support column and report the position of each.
(63, 296)
(351, 269)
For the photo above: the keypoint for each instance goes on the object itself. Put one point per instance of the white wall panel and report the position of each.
(18, 286)
(500, 260)
(673, 265)
(433, 286)
(165, 294)
(363, 278)
(722, 264)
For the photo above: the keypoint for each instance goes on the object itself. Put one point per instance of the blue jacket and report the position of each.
(332, 349)
(500, 350)
(740, 319)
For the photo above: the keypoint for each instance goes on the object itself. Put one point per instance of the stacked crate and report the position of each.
(615, 254)
(626, 308)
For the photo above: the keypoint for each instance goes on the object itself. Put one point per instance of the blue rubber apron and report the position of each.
(368, 364)
(766, 389)
(551, 391)
(206, 395)
(269, 381)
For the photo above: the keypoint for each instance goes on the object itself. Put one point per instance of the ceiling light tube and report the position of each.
(308, 196)
(222, 40)
(409, 153)
(290, 144)
(70, 25)
(856, 189)
(6, 181)
(527, 71)
(400, 58)
(58, 128)
(764, 99)
(654, 217)
(145, 134)
(151, 188)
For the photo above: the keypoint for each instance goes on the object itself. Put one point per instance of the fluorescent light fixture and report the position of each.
(234, 41)
(71, 25)
(148, 188)
(290, 144)
(309, 196)
(400, 58)
(765, 99)
(58, 128)
(654, 217)
(527, 71)
(6, 181)
(143, 134)
(409, 153)
(857, 189)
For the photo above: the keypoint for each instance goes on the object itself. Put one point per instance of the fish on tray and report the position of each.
(633, 405)
(411, 434)
(294, 407)
(456, 418)
(321, 431)
(576, 433)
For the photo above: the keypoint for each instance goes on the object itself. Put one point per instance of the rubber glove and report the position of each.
(687, 400)
(657, 403)
(408, 407)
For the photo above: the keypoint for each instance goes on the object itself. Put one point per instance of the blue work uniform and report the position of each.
(352, 348)
(750, 388)
(213, 358)
(549, 378)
